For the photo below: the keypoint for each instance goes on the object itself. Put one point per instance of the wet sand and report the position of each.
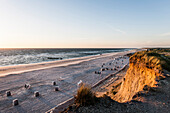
(40, 77)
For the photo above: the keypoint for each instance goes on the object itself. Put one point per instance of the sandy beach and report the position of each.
(66, 73)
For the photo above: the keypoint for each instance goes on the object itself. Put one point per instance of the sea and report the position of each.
(17, 56)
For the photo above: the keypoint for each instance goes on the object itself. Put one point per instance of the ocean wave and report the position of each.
(27, 56)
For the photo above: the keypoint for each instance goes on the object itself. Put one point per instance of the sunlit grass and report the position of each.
(85, 96)
(152, 59)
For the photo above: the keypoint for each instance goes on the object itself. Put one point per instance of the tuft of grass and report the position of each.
(85, 96)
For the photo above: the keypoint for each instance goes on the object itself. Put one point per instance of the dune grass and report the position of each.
(152, 59)
(85, 96)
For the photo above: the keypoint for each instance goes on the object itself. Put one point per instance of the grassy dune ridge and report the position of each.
(155, 58)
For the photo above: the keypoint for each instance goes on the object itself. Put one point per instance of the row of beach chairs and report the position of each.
(56, 88)
(115, 61)
(36, 93)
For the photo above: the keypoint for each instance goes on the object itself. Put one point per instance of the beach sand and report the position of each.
(41, 75)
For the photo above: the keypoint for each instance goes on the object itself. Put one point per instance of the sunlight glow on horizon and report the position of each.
(84, 24)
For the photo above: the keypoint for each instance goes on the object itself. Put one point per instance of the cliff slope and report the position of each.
(145, 70)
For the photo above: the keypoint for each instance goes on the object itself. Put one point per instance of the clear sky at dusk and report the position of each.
(84, 23)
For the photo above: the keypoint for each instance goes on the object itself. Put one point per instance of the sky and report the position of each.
(84, 23)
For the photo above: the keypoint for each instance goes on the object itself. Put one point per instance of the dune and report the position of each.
(141, 87)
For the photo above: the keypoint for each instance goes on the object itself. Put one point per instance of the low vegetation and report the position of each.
(85, 96)
(155, 58)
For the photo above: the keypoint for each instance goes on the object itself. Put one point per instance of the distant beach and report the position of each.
(29, 56)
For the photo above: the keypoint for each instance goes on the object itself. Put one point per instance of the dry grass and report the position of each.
(152, 59)
(85, 96)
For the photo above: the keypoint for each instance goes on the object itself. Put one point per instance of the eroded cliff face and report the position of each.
(143, 70)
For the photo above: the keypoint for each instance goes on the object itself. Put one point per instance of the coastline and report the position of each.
(72, 71)
(16, 69)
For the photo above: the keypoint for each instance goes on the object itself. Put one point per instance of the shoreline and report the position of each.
(16, 69)
(41, 80)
